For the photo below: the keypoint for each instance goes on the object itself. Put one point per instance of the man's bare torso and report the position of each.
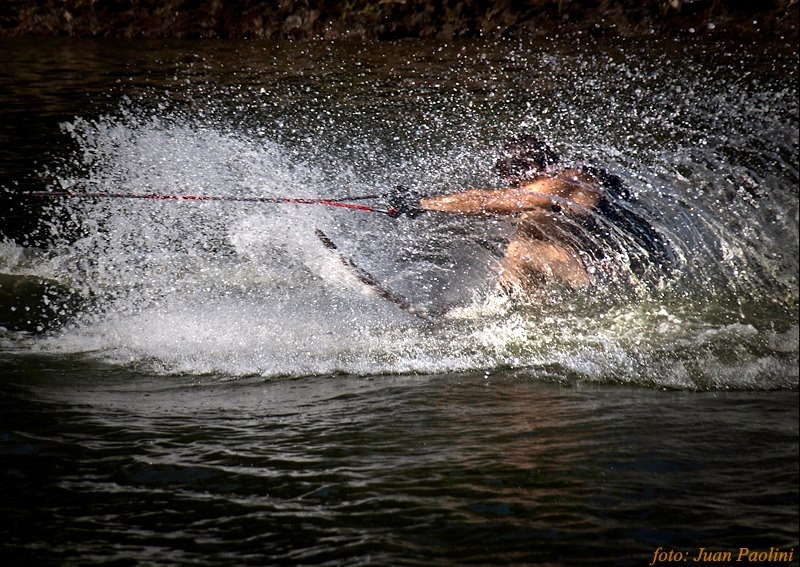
(535, 255)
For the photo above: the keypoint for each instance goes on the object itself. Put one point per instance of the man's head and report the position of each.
(525, 158)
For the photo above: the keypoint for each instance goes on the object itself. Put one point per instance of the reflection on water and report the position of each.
(408, 470)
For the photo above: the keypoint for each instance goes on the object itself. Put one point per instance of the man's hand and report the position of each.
(404, 201)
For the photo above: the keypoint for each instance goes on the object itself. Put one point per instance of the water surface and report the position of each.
(204, 383)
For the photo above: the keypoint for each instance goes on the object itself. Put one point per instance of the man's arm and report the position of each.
(486, 202)
(540, 194)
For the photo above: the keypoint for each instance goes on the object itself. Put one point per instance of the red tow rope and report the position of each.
(160, 197)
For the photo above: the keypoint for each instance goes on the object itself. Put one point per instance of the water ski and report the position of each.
(370, 281)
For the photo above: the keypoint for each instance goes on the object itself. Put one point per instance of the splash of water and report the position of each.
(237, 289)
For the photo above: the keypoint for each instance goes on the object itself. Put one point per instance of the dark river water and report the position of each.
(203, 382)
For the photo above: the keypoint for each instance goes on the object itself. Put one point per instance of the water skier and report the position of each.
(574, 225)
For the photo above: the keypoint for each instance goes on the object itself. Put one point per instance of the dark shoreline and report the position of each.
(396, 19)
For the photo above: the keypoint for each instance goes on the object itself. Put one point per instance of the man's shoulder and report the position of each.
(577, 180)
(574, 174)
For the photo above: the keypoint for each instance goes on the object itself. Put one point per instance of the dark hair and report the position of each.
(524, 156)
